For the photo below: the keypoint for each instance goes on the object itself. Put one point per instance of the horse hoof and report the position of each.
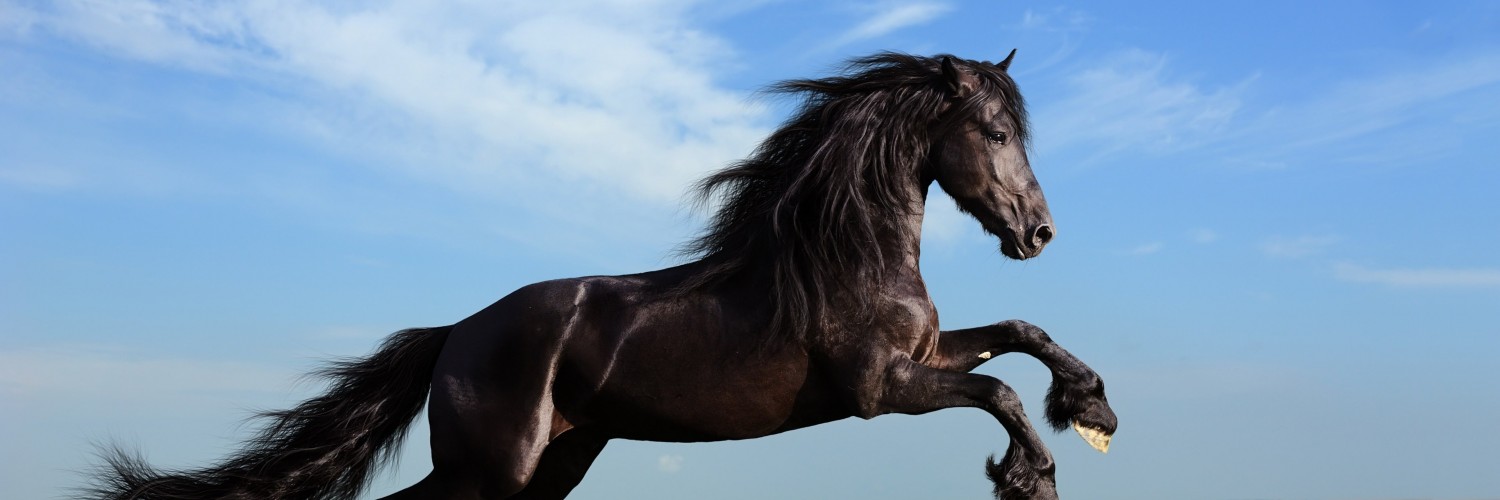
(1097, 438)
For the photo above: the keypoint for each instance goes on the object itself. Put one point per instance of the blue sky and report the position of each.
(1277, 223)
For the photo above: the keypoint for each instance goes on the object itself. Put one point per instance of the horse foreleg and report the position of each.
(1077, 393)
(1027, 471)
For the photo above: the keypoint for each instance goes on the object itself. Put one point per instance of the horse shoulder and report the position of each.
(907, 323)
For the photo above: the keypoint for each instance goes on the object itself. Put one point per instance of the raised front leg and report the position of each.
(1026, 472)
(1077, 393)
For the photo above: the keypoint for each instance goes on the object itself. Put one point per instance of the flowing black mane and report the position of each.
(808, 206)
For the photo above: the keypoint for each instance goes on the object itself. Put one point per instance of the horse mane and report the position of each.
(806, 209)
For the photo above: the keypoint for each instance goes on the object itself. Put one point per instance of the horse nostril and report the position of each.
(1041, 235)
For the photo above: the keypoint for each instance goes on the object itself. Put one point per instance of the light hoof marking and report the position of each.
(1094, 437)
(985, 355)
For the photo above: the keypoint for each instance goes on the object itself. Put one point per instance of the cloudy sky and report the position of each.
(1277, 223)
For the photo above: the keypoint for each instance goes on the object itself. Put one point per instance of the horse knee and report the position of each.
(1026, 332)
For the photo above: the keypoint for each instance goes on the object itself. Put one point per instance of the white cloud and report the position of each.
(669, 463)
(1296, 247)
(1147, 248)
(1204, 236)
(1132, 102)
(892, 17)
(1346, 121)
(465, 95)
(39, 179)
(1051, 37)
(1364, 106)
(88, 372)
(942, 222)
(1431, 277)
(15, 19)
(1056, 19)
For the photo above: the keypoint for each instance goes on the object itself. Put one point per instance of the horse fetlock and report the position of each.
(1019, 476)
(1084, 402)
(1086, 411)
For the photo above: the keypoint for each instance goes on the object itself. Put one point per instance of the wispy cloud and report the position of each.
(34, 178)
(1345, 122)
(464, 95)
(1298, 246)
(1204, 236)
(888, 18)
(1062, 28)
(1147, 248)
(669, 464)
(1056, 19)
(942, 223)
(1133, 102)
(85, 372)
(1429, 277)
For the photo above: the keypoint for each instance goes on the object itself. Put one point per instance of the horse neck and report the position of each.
(901, 239)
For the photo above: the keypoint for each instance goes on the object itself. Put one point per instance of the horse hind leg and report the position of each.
(563, 464)
(491, 412)
(482, 449)
(561, 468)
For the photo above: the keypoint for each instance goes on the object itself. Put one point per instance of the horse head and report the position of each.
(979, 156)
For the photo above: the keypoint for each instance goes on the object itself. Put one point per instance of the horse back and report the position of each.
(628, 357)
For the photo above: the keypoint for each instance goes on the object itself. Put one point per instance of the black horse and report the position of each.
(805, 305)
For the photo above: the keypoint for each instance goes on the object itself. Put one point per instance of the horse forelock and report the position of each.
(813, 198)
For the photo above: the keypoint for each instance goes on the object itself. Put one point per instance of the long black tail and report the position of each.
(324, 449)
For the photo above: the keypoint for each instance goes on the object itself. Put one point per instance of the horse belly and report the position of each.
(684, 390)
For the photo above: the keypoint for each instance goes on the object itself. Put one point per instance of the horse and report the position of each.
(803, 303)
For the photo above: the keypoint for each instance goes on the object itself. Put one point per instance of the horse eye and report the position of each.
(995, 137)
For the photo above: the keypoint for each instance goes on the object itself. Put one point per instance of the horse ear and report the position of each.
(958, 85)
(1005, 65)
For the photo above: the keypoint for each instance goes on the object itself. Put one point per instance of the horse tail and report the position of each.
(324, 449)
